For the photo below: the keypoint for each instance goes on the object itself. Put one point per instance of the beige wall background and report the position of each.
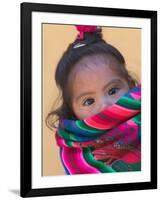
(55, 40)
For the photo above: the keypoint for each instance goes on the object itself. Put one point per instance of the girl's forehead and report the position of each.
(94, 60)
(91, 73)
(96, 67)
(92, 79)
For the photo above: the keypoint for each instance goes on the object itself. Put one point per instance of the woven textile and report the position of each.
(106, 142)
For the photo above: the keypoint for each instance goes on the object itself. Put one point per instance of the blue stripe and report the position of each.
(66, 171)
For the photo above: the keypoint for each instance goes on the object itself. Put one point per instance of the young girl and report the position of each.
(92, 136)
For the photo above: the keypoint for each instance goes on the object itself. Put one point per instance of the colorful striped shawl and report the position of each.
(106, 142)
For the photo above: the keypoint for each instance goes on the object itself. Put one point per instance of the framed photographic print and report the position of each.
(88, 99)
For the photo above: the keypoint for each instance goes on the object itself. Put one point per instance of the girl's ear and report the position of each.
(132, 83)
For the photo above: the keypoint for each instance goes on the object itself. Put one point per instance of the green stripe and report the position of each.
(136, 167)
(129, 103)
(85, 127)
(137, 119)
(66, 135)
(97, 164)
(70, 144)
(121, 166)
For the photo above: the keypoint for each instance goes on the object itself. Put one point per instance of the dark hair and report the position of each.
(94, 44)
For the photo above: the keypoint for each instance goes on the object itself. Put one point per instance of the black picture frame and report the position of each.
(26, 189)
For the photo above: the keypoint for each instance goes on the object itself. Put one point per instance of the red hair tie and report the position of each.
(82, 29)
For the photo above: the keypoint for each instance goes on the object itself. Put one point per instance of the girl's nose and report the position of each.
(104, 104)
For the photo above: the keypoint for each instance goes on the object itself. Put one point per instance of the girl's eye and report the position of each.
(112, 91)
(88, 102)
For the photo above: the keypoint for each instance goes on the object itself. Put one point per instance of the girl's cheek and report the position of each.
(86, 112)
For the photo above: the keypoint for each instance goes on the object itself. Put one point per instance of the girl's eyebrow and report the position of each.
(83, 94)
(116, 80)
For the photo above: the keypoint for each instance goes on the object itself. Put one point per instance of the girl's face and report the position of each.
(94, 88)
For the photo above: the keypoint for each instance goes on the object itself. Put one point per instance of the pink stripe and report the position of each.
(94, 124)
(131, 123)
(86, 165)
(97, 120)
(124, 114)
(75, 163)
(114, 111)
(136, 95)
(109, 112)
(65, 161)
(122, 111)
(60, 141)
